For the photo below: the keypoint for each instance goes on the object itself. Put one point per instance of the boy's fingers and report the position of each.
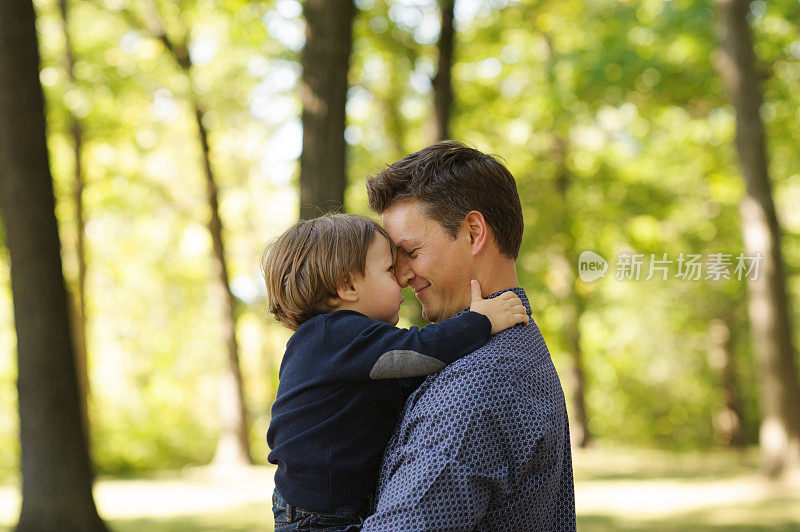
(475, 287)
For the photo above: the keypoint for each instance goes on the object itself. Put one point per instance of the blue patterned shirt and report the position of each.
(482, 445)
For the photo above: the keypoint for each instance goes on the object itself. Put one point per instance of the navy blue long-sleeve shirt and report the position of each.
(339, 398)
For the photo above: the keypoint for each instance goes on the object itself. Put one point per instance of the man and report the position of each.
(483, 444)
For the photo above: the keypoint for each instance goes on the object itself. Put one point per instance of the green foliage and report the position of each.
(610, 115)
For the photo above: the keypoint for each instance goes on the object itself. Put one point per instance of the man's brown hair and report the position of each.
(308, 263)
(450, 180)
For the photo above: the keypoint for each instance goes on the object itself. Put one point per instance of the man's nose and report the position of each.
(402, 270)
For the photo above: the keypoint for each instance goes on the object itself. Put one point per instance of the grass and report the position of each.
(615, 489)
(618, 489)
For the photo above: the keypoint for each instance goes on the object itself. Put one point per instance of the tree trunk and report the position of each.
(572, 301)
(393, 117)
(573, 304)
(579, 428)
(325, 63)
(233, 446)
(77, 295)
(56, 471)
(768, 303)
(442, 82)
(728, 420)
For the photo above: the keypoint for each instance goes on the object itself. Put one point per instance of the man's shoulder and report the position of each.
(465, 385)
(512, 360)
(507, 354)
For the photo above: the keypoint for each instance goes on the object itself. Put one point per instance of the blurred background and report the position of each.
(184, 135)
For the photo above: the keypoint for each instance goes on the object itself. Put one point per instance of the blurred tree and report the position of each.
(728, 421)
(326, 58)
(619, 134)
(233, 446)
(572, 301)
(643, 176)
(387, 56)
(573, 304)
(78, 293)
(56, 470)
(768, 301)
(384, 59)
(442, 81)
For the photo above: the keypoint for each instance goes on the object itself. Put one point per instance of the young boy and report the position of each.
(331, 280)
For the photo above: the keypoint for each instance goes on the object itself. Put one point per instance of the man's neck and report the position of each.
(498, 275)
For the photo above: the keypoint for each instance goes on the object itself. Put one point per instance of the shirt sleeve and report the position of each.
(382, 351)
(409, 385)
(449, 464)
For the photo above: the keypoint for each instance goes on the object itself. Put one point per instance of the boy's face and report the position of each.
(379, 294)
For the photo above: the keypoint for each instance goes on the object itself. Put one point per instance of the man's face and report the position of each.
(435, 265)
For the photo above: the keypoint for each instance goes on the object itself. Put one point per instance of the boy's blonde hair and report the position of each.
(308, 263)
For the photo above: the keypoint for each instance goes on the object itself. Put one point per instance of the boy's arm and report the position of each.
(382, 351)
(409, 385)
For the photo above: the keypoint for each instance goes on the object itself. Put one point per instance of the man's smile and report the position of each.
(419, 289)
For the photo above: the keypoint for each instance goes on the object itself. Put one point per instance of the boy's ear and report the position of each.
(347, 290)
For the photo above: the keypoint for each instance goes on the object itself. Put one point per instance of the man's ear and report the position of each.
(477, 231)
(347, 290)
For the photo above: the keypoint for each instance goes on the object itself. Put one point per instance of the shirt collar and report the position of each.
(518, 291)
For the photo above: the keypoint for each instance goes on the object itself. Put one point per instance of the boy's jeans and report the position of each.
(292, 518)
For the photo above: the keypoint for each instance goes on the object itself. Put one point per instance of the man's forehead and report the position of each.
(404, 240)
(405, 223)
(405, 213)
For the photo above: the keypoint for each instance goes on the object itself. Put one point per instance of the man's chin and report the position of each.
(430, 316)
(425, 314)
